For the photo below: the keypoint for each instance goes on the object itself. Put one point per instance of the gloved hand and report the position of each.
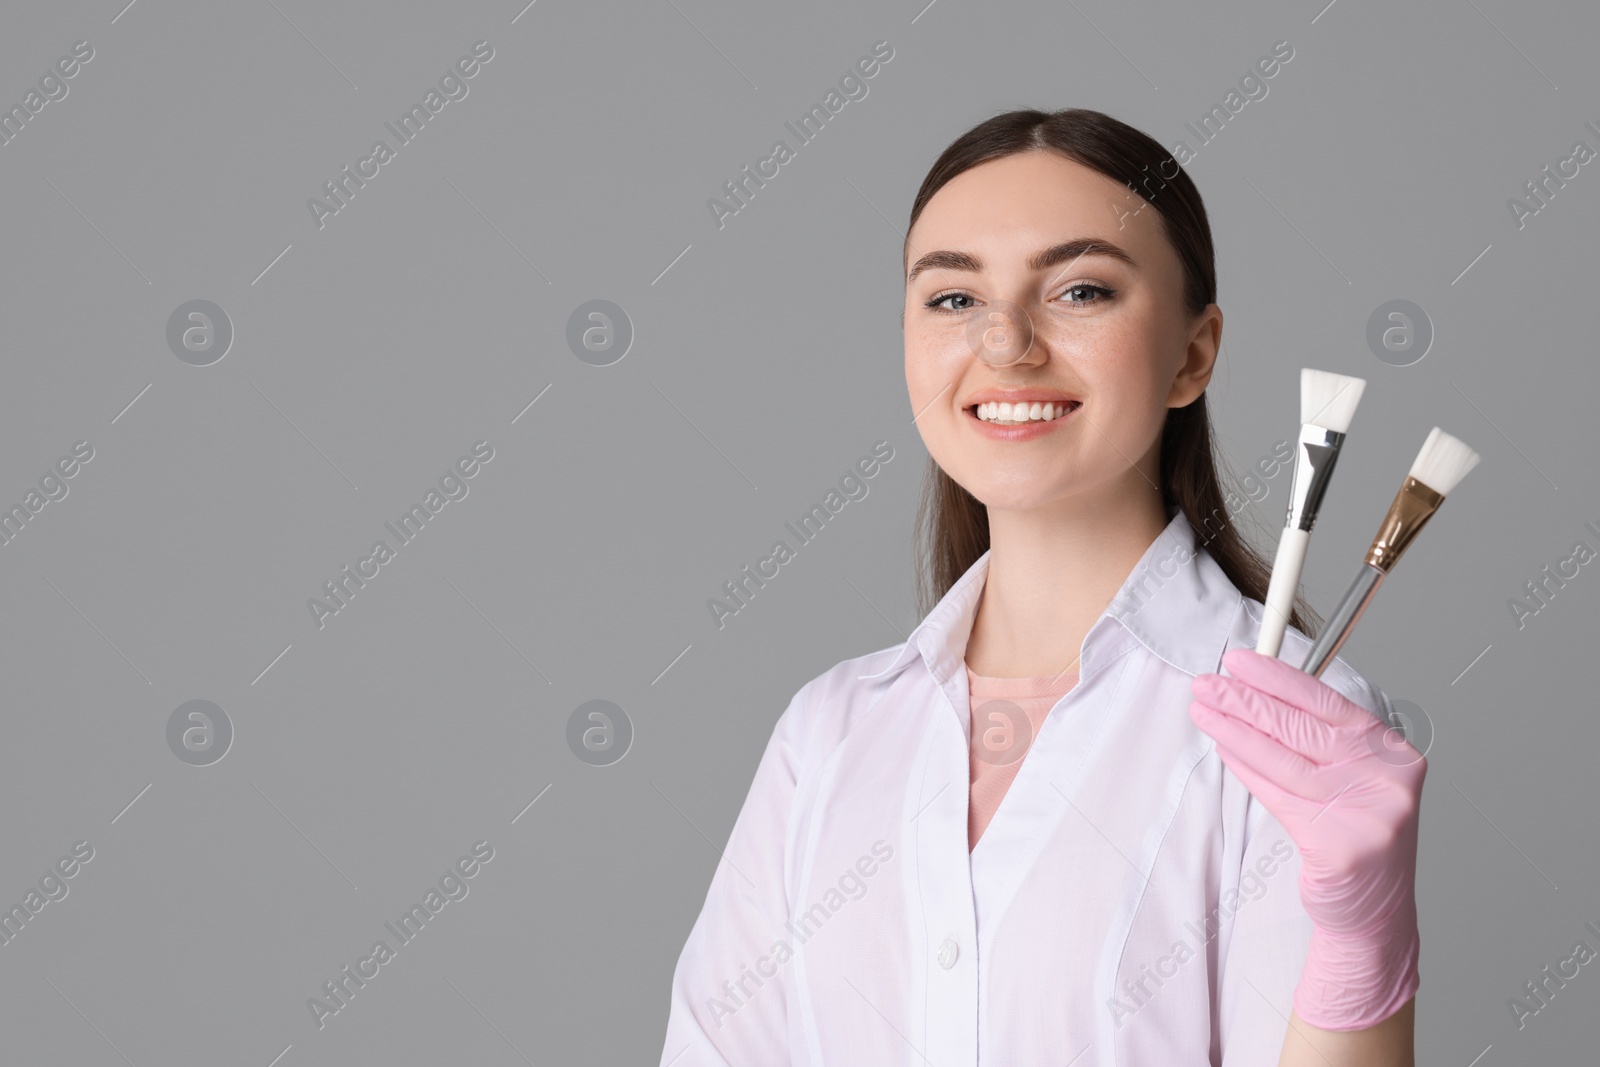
(1349, 794)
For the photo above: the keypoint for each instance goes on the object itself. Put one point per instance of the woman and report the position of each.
(1047, 828)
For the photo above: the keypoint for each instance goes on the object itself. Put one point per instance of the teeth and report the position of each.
(1017, 414)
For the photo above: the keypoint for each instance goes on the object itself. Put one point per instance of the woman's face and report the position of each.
(1023, 313)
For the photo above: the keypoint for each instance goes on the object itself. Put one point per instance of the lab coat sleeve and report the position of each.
(1271, 933)
(730, 998)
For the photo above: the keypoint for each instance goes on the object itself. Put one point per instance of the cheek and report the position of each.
(932, 378)
(933, 361)
(1119, 363)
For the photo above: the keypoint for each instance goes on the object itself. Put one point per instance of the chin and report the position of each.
(1023, 495)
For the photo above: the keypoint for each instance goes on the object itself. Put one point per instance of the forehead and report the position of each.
(1006, 209)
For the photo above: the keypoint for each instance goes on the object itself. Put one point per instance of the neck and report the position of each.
(1052, 572)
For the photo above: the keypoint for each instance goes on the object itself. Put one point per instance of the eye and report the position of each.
(1088, 295)
(1085, 287)
(937, 301)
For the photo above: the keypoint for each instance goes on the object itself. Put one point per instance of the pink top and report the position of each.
(1006, 716)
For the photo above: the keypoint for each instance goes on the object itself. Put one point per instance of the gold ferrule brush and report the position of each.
(1413, 506)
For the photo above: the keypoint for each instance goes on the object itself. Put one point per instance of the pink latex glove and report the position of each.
(1331, 772)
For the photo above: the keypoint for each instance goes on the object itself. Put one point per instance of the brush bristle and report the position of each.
(1329, 400)
(1443, 462)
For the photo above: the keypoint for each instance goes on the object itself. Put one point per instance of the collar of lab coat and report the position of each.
(1176, 602)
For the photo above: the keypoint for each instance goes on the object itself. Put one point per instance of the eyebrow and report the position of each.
(1058, 253)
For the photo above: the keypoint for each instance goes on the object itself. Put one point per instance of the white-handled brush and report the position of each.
(1327, 403)
(1439, 467)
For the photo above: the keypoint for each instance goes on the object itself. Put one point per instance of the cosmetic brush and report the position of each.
(1327, 403)
(1442, 463)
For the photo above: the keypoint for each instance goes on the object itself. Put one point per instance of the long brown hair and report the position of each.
(953, 525)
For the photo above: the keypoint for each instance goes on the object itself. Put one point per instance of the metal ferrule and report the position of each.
(1313, 467)
(1343, 620)
(1413, 506)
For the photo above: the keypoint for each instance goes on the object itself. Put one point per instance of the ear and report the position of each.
(1199, 358)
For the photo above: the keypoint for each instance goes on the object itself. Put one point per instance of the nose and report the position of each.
(1003, 336)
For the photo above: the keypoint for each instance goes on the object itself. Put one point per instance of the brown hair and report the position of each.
(953, 525)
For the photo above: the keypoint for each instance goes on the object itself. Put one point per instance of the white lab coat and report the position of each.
(1130, 903)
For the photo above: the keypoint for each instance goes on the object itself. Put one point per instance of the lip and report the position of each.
(1014, 396)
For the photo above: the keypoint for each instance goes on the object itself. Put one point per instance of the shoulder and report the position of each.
(823, 710)
(1340, 674)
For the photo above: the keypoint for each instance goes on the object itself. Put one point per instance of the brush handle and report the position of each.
(1343, 619)
(1281, 591)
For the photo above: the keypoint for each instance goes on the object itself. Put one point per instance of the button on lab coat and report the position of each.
(1130, 904)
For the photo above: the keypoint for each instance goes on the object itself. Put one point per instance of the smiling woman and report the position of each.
(1059, 341)
(1137, 315)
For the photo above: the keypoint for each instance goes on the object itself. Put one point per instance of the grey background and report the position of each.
(370, 754)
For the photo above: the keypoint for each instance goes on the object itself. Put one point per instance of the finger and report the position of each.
(1264, 756)
(1294, 686)
(1293, 726)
